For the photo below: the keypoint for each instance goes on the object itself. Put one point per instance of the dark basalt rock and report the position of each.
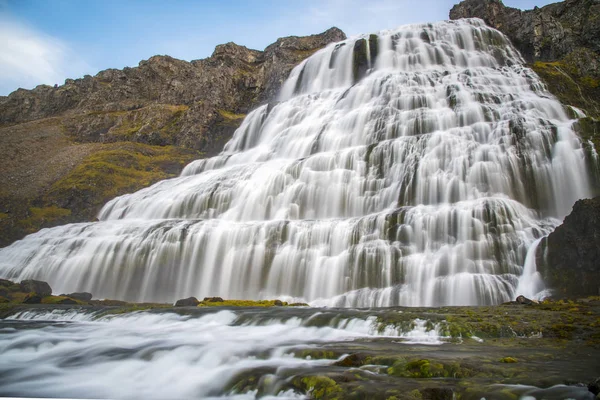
(38, 287)
(524, 300)
(360, 61)
(214, 299)
(569, 258)
(189, 302)
(83, 296)
(32, 298)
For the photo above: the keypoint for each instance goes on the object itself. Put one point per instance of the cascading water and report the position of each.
(412, 167)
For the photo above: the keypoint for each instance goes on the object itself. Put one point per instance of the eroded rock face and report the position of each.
(545, 34)
(569, 258)
(165, 100)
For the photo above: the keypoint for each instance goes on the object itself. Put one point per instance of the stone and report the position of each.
(38, 287)
(524, 300)
(569, 258)
(32, 298)
(189, 302)
(83, 296)
(278, 303)
(594, 386)
(214, 299)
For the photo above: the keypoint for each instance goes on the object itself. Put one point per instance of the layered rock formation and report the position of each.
(67, 150)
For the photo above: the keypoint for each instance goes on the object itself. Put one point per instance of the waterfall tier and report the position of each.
(412, 167)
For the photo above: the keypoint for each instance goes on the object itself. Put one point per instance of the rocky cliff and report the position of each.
(66, 150)
(561, 41)
(569, 258)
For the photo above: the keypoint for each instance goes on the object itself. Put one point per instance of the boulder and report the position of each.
(214, 299)
(569, 258)
(524, 300)
(594, 387)
(189, 302)
(38, 287)
(83, 296)
(32, 298)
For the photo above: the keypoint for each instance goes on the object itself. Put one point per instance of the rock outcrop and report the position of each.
(67, 150)
(561, 41)
(569, 258)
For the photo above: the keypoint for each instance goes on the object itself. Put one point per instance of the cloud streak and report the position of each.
(29, 58)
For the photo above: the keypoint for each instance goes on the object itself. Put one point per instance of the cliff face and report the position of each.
(67, 150)
(561, 41)
(570, 256)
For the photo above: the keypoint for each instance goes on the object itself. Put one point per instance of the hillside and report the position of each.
(67, 150)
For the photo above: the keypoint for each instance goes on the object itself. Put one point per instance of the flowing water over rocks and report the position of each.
(499, 352)
(414, 167)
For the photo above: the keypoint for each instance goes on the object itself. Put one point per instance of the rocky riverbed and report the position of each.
(547, 350)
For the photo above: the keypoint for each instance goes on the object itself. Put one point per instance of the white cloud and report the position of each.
(29, 58)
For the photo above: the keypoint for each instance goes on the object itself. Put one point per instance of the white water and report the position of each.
(424, 183)
(166, 355)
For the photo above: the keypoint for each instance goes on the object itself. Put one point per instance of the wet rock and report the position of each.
(569, 258)
(353, 360)
(437, 394)
(189, 302)
(594, 386)
(278, 303)
(83, 296)
(32, 298)
(524, 300)
(214, 299)
(360, 61)
(38, 287)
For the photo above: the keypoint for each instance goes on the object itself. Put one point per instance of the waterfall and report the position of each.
(411, 167)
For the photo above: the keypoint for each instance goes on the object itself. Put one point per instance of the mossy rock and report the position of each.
(319, 387)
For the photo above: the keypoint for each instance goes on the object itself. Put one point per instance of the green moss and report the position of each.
(564, 79)
(43, 216)
(116, 170)
(232, 116)
(59, 300)
(321, 387)
(508, 360)
(3, 216)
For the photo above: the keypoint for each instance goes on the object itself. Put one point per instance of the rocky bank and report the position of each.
(66, 150)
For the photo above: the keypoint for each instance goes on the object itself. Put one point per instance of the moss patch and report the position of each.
(115, 170)
(43, 216)
(566, 81)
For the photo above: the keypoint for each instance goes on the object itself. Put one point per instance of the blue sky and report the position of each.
(47, 41)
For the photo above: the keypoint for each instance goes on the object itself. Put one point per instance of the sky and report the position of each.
(47, 41)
